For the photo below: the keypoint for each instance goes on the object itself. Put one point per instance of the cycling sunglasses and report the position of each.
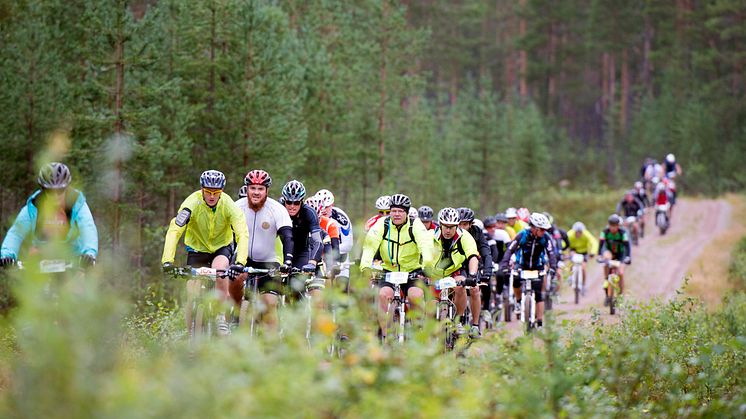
(212, 192)
(297, 203)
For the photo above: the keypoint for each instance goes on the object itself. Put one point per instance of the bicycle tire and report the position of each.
(507, 307)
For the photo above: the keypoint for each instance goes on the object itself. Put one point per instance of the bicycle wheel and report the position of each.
(612, 308)
(507, 306)
(392, 318)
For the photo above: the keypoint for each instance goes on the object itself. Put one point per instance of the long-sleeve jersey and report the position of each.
(617, 243)
(403, 248)
(485, 253)
(630, 209)
(531, 251)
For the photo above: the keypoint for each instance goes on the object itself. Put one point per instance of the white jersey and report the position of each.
(263, 226)
(501, 236)
(345, 230)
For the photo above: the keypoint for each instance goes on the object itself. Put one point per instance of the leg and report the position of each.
(221, 284)
(459, 298)
(476, 303)
(385, 295)
(621, 279)
(235, 288)
(416, 296)
(270, 313)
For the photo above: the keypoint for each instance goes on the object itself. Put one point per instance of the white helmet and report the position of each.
(539, 220)
(326, 197)
(413, 213)
(578, 226)
(670, 158)
(511, 213)
(638, 185)
(478, 223)
(383, 203)
(449, 216)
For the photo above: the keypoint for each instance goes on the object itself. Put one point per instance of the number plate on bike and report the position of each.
(397, 278)
(615, 263)
(52, 266)
(530, 274)
(445, 283)
(578, 258)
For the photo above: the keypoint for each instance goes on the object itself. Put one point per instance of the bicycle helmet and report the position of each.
(670, 158)
(242, 191)
(511, 213)
(539, 220)
(578, 226)
(466, 214)
(425, 213)
(524, 214)
(258, 177)
(489, 221)
(615, 219)
(413, 213)
(383, 203)
(326, 197)
(212, 179)
(500, 216)
(401, 201)
(54, 176)
(294, 191)
(315, 203)
(478, 223)
(549, 217)
(638, 185)
(449, 216)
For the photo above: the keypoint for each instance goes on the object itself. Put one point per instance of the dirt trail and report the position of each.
(659, 263)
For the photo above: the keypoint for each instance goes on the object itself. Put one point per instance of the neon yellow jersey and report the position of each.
(451, 260)
(207, 229)
(586, 243)
(400, 251)
(510, 231)
(519, 226)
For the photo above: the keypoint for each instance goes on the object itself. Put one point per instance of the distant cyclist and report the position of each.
(345, 232)
(498, 240)
(533, 249)
(383, 205)
(55, 213)
(242, 191)
(426, 216)
(513, 222)
(468, 224)
(671, 167)
(582, 242)
(211, 220)
(631, 206)
(613, 244)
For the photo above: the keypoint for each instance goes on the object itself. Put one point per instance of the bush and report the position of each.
(737, 269)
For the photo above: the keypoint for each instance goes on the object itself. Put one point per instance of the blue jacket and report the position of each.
(82, 234)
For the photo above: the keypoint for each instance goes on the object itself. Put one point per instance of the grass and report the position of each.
(709, 272)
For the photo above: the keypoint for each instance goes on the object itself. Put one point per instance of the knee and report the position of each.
(415, 293)
(385, 294)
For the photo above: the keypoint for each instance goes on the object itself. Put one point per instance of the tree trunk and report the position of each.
(213, 46)
(522, 57)
(647, 67)
(382, 101)
(624, 97)
(118, 131)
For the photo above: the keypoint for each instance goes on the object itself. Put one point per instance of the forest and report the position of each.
(479, 103)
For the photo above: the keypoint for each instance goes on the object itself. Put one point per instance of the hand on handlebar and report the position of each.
(7, 261)
(168, 267)
(308, 268)
(235, 270)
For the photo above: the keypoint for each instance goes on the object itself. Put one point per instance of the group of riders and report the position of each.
(303, 235)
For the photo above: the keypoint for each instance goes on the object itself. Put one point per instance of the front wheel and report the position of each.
(507, 306)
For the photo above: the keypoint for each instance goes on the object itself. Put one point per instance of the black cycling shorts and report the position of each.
(265, 283)
(404, 287)
(202, 260)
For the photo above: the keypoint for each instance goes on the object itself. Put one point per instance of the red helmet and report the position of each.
(258, 177)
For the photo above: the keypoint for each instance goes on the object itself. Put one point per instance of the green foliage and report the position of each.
(737, 269)
(77, 353)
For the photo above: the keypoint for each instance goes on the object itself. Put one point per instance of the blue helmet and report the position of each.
(212, 179)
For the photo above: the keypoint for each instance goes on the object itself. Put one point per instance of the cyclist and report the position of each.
(630, 206)
(345, 232)
(54, 213)
(672, 169)
(498, 240)
(306, 229)
(404, 246)
(614, 245)
(513, 221)
(425, 214)
(642, 194)
(211, 220)
(581, 241)
(383, 205)
(266, 219)
(532, 247)
(457, 257)
(502, 224)
(469, 224)
(413, 213)
(330, 237)
(561, 242)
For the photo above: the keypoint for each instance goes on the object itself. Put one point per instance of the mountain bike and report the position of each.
(445, 311)
(199, 312)
(250, 307)
(528, 305)
(630, 223)
(611, 283)
(661, 218)
(576, 276)
(508, 296)
(396, 311)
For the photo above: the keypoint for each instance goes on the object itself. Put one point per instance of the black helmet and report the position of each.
(400, 201)
(615, 219)
(425, 213)
(489, 221)
(466, 214)
(500, 216)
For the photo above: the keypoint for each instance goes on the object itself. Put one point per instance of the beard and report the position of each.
(258, 206)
